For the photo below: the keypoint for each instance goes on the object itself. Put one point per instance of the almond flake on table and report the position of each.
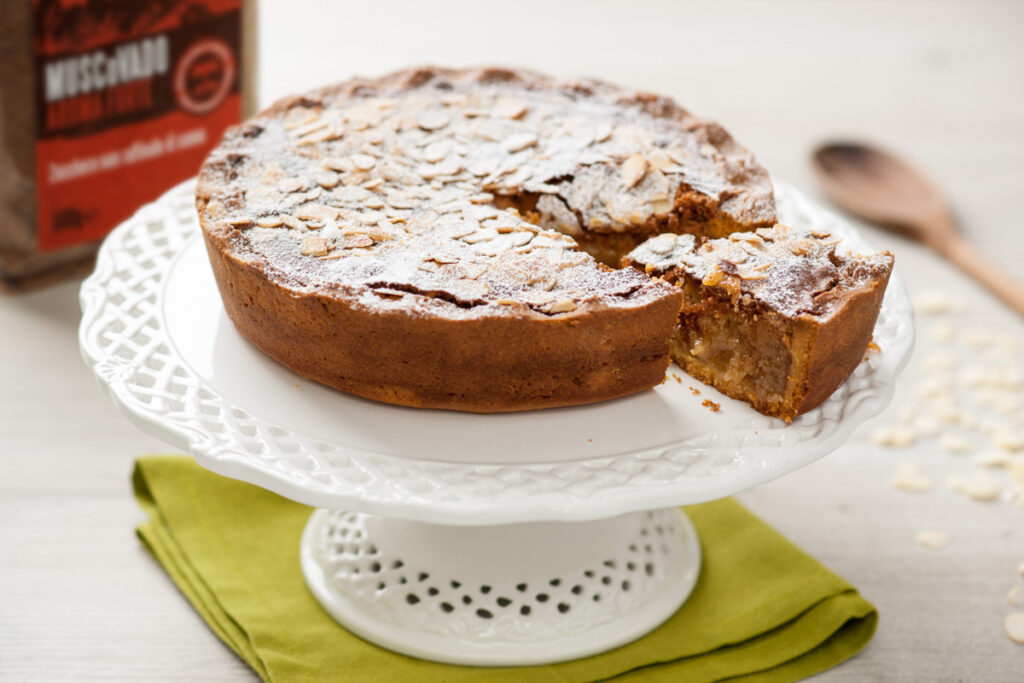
(894, 436)
(1008, 440)
(911, 478)
(1016, 596)
(977, 339)
(1015, 627)
(940, 360)
(935, 387)
(954, 443)
(942, 331)
(932, 540)
(978, 486)
(933, 302)
(926, 425)
(1020, 568)
(993, 458)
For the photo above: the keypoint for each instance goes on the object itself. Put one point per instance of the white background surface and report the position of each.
(939, 82)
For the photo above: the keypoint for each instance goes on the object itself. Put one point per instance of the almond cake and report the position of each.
(439, 238)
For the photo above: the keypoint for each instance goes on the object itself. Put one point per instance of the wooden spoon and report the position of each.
(883, 189)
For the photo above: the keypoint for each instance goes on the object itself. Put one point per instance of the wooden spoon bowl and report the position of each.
(883, 189)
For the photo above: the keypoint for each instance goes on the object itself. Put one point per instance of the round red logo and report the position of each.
(204, 75)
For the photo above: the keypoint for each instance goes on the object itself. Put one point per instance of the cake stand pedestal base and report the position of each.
(508, 595)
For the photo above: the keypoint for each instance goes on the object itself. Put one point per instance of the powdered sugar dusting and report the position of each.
(389, 189)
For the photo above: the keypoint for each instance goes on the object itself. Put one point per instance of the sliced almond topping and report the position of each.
(511, 108)
(434, 119)
(289, 185)
(633, 170)
(315, 246)
(326, 179)
(364, 162)
(269, 221)
(355, 241)
(519, 142)
(436, 151)
(563, 306)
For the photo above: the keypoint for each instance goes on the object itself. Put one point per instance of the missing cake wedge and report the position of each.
(775, 317)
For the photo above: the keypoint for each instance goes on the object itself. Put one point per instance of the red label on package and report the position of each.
(130, 98)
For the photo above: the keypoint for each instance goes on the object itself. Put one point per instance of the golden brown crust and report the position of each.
(483, 365)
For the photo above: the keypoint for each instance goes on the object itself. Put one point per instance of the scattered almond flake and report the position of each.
(946, 411)
(977, 339)
(977, 486)
(1015, 627)
(1008, 441)
(633, 169)
(894, 436)
(993, 458)
(940, 360)
(926, 425)
(907, 414)
(1020, 568)
(932, 303)
(1006, 343)
(954, 443)
(910, 477)
(942, 331)
(711, 405)
(932, 540)
(934, 387)
(1015, 596)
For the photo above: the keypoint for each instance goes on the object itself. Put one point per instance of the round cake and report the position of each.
(438, 238)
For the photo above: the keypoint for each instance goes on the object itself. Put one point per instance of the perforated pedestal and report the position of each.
(513, 594)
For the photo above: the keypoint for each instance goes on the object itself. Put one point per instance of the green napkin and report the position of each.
(762, 609)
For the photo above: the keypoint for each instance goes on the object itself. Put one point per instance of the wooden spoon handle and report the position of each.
(981, 268)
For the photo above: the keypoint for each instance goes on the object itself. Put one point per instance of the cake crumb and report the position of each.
(679, 380)
(1015, 627)
(932, 540)
(911, 478)
(711, 405)
(695, 391)
(894, 436)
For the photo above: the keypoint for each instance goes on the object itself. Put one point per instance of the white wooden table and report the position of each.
(940, 82)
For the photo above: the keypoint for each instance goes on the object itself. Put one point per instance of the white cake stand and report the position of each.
(489, 540)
